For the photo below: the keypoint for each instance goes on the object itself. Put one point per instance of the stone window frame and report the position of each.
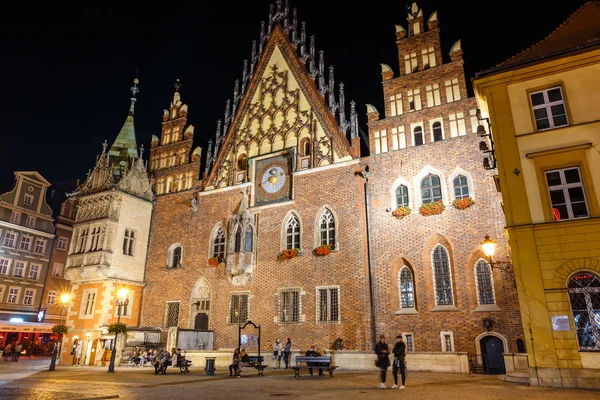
(405, 336)
(283, 230)
(30, 221)
(15, 217)
(406, 310)
(212, 240)
(547, 106)
(397, 183)
(442, 307)
(171, 254)
(16, 296)
(24, 269)
(14, 237)
(29, 197)
(62, 239)
(398, 135)
(7, 265)
(88, 305)
(279, 294)
(441, 122)
(31, 269)
(412, 133)
(230, 307)
(52, 295)
(317, 227)
(329, 304)
(166, 315)
(485, 307)
(42, 242)
(62, 267)
(459, 171)
(426, 170)
(443, 341)
(129, 241)
(21, 241)
(31, 297)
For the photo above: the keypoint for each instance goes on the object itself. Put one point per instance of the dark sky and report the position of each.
(65, 71)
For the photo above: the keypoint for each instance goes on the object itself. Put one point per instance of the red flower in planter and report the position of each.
(463, 204)
(401, 212)
(323, 250)
(287, 254)
(213, 262)
(434, 208)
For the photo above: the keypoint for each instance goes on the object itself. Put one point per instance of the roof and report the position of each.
(580, 30)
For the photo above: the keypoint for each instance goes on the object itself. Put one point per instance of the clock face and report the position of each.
(273, 181)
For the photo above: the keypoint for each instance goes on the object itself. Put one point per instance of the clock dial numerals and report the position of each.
(273, 179)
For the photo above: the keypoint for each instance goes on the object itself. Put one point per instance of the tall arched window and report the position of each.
(441, 277)
(177, 256)
(238, 239)
(402, 196)
(431, 189)
(485, 285)
(249, 239)
(327, 228)
(219, 243)
(242, 162)
(292, 233)
(174, 256)
(461, 187)
(305, 147)
(584, 293)
(437, 132)
(406, 288)
(418, 134)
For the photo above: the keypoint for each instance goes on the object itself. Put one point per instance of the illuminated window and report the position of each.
(238, 308)
(396, 105)
(52, 296)
(452, 90)
(566, 194)
(549, 108)
(62, 243)
(406, 288)
(57, 269)
(292, 233)
(431, 189)
(327, 228)
(441, 276)
(428, 57)
(484, 281)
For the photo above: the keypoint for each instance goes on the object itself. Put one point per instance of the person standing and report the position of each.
(399, 362)
(286, 352)
(383, 360)
(7, 353)
(277, 353)
(16, 352)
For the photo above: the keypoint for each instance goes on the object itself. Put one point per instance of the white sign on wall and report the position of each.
(561, 323)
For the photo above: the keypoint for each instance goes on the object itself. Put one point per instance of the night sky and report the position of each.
(66, 70)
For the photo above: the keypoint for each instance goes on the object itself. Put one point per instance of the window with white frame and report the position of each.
(401, 196)
(25, 243)
(549, 108)
(10, 239)
(384, 143)
(57, 269)
(457, 124)
(94, 239)
(484, 282)
(52, 296)
(414, 100)
(328, 304)
(289, 306)
(396, 105)
(461, 187)
(128, 242)
(398, 138)
(172, 314)
(431, 189)
(28, 297)
(218, 248)
(566, 194)
(292, 232)
(406, 288)
(474, 120)
(30, 221)
(437, 131)
(34, 271)
(381, 141)
(452, 90)
(62, 243)
(28, 199)
(19, 271)
(4, 266)
(15, 217)
(13, 295)
(40, 246)
(327, 228)
(409, 341)
(442, 278)
(584, 294)
(238, 308)
(377, 140)
(418, 136)
(447, 341)
(433, 95)
(88, 302)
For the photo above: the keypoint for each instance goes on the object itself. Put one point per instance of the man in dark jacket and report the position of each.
(313, 353)
(383, 359)
(399, 362)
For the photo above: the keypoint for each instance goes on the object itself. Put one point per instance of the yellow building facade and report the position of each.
(543, 110)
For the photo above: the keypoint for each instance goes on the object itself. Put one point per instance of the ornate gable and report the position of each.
(136, 180)
(101, 178)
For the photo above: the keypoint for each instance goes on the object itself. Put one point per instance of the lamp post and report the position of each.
(122, 300)
(65, 298)
(489, 249)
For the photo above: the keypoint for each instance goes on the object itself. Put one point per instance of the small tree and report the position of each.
(60, 329)
(116, 329)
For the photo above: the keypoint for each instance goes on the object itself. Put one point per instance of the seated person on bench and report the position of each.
(313, 353)
(244, 362)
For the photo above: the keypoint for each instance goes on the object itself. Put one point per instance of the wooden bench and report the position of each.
(312, 362)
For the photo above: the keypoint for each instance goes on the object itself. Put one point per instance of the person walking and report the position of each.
(286, 352)
(399, 362)
(16, 352)
(277, 353)
(383, 360)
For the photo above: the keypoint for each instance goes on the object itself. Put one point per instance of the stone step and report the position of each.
(516, 377)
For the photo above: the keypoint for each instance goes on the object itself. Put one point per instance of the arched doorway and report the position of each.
(200, 305)
(492, 348)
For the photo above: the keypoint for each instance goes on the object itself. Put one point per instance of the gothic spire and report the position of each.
(124, 147)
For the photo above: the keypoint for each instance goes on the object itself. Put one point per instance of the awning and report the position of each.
(30, 327)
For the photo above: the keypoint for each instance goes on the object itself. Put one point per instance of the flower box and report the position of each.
(463, 204)
(213, 262)
(434, 208)
(323, 250)
(287, 254)
(401, 212)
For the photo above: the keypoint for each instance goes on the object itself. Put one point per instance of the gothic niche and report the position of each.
(241, 254)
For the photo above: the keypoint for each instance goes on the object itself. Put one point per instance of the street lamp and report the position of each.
(122, 300)
(489, 249)
(65, 298)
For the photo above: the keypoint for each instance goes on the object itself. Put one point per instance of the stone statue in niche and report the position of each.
(241, 263)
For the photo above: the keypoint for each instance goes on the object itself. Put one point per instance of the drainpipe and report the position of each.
(366, 175)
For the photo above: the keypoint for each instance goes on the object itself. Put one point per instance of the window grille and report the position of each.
(289, 306)
(292, 233)
(238, 239)
(219, 243)
(248, 240)
(437, 132)
(328, 305)
(461, 187)
(566, 194)
(431, 189)
(407, 299)
(239, 308)
(485, 287)
(172, 314)
(549, 109)
(418, 131)
(327, 224)
(441, 276)
(448, 342)
(584, 293)
(402, 196)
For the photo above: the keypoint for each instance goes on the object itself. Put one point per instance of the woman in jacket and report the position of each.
(286, 352)
(244, 362)
(277, 353)
(383, 359)
(234, 362)
(399, 362)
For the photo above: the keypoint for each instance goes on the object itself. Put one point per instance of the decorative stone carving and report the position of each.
(136, 180)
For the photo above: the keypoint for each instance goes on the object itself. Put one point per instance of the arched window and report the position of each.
(441, 277)
(327, 228)
(418, 134)
(437, 131)
(485, 286)
(292, 233)
(248, 240)
(431, 189)
(402, 196)
(176, 256)
(406, 288)
(461, 187)
(584, 293)
(238, 239)
(219, 243)
(242, 162)
(305, 147)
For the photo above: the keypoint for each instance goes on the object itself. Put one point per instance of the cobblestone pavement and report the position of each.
(140, 383)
